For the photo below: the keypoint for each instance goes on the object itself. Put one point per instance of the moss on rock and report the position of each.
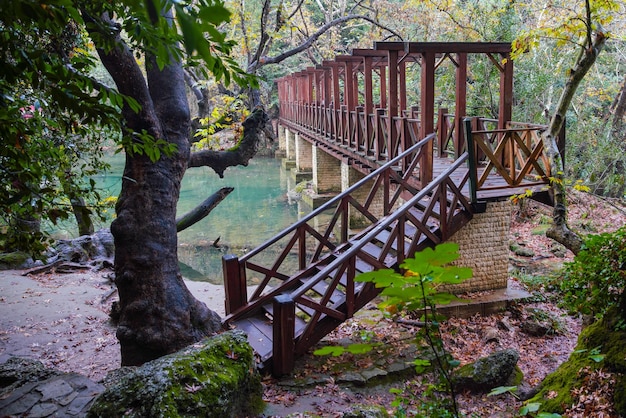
(216, 377)
(486, 373)
(555, 392)
(13, 260)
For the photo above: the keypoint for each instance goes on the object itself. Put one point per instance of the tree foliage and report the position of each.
(56, 116)
(52, 115)
(595, 281)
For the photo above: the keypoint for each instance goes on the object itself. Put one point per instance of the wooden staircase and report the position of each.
(307, 288)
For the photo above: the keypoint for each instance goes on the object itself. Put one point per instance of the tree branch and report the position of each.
(202, 210)
(240, 154)
(120, 63)
(255, 65)
(559, 231)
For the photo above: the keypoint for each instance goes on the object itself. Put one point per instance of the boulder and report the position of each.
(216, 377)
(497, 369)
(534, 328)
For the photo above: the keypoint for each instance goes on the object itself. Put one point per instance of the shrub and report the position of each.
(595, 280)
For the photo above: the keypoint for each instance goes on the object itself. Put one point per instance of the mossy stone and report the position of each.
(216, 377)
(555, 391)
(13, 260)
(488, 372)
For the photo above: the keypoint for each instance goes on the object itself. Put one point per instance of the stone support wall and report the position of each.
(281, 152)
(290, 144)
(484, 246)
(304, 154)
(326, 172)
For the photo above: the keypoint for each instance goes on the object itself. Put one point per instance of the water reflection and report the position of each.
(256, 210)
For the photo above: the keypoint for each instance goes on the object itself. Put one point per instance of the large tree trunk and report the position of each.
(158, 314)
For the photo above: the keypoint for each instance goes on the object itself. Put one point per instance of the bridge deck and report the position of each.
(495, 186)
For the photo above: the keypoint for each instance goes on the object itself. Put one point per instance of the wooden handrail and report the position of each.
(331, 203)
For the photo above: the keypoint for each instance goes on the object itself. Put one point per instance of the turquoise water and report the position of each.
(256, 210)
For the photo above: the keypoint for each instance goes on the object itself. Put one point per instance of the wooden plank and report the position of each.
(259, 331)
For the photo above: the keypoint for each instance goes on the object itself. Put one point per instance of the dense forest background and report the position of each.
(542, 30)
(268, 39)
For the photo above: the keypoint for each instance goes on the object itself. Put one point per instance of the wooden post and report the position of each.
(379, 139)
(402, 87)
(383, 87)
(283, 331)
(234, 283)
(427, 109)
(506, 109)
(442, 132)
(369, 101)
(472, 163)
(392, 104)
(461, 102)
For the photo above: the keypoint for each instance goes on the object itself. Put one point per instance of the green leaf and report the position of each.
(529, 408)
(332, 350)
(597, 357)
(359, 348)
(502, 389)
(382, 278)
(421, 362)
(215, 14)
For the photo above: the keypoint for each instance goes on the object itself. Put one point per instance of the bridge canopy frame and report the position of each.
(336, 84)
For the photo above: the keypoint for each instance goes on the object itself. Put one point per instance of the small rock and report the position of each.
(534, 328)
(505, 325)
(488, 372)
(351, 377)
(366, 411)
(373, 373)
(490, 334)
(525, 391)
(558, 250)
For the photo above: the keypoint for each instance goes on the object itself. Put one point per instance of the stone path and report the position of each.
(27, 388)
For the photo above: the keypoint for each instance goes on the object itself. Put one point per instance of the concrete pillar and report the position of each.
(304, 154)
(290, 144)
(350, 176)
(281, 152)
(289, 161)
(326, 172)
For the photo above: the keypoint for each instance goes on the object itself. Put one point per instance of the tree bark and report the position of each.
(559, 231)
(158, 314)
(240, 154)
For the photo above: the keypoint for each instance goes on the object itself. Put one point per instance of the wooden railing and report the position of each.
(308, 284)
(514, 154)
(379, 192)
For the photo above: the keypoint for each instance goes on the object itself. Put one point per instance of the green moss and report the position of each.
(611, 343)
(12, 260)
(215, 378)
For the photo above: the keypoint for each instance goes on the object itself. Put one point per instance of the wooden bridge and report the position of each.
(424, 175)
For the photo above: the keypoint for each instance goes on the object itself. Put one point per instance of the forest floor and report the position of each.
(62, 320)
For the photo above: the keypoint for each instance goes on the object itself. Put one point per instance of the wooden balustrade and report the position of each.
(312, 270)
(514, 154)
(304, 243)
